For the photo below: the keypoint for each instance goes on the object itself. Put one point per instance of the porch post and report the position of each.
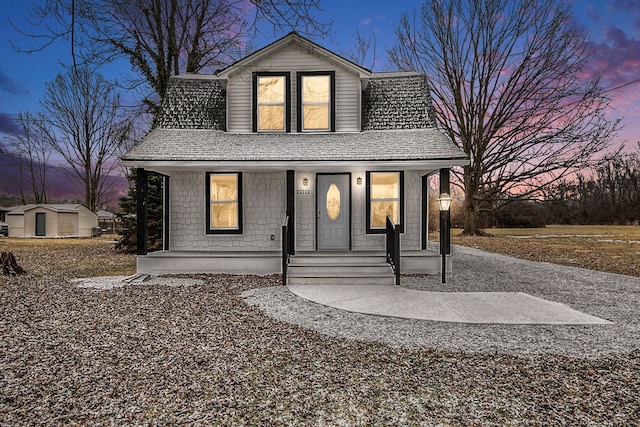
(445, 226)
(165, 212)
(290, 210)
(142, 194)
(425, 211)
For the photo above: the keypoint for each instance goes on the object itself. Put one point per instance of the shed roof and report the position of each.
(61, 208)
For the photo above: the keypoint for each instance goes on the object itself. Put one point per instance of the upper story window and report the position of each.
(271, 95)
(316, 107)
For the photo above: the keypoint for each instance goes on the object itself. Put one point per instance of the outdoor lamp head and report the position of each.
(444, 201)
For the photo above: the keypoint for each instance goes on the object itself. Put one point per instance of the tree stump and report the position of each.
(9, 265)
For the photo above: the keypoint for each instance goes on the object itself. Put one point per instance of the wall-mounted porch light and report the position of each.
(305, 182)
(359, 180)
(444, 201)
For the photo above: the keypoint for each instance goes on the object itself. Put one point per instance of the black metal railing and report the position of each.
(285, 249)
(393, 248)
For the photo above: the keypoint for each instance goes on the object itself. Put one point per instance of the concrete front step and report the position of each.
(339, 280)
(337, 258)
(339, 268)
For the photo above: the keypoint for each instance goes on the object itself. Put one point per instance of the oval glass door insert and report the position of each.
(333, 202)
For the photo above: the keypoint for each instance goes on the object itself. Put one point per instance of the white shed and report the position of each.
(51, 220)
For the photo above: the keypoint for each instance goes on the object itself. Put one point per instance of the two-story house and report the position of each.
(292, 131)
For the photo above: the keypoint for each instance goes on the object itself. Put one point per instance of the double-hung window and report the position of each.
(224, 203)
(385, 197)
(271, 95)
(316, 107)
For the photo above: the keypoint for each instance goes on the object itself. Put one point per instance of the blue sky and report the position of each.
(613, 25)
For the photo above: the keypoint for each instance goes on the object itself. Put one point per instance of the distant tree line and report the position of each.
(608, 193)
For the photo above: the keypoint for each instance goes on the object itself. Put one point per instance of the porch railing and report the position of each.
(285, 249)
(393, 248)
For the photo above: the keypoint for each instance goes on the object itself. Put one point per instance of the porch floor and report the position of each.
(266, 262)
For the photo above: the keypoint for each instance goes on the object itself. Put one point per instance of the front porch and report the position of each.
(270, 262)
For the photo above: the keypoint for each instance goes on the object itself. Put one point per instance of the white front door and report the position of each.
(334, 212)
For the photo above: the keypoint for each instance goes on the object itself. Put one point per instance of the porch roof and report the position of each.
(200, 146)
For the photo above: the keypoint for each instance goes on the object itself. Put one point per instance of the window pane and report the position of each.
(385, 185)
(271, 89)
(224, 215)
(271, 117)
(333, 202)
(315, 89)
(380, 211)
(316, 117)
(224, 187)
(224, 201)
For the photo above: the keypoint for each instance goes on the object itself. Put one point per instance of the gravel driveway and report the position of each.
(195, 353)
(609, 296)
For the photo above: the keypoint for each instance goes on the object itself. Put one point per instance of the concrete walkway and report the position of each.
(462, 307)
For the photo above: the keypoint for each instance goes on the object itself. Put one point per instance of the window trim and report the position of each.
(381, 230)
(287, 99)
(332, 99)
(208, 227)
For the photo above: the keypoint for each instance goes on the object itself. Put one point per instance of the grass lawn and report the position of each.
(83, 257)
(614, 249)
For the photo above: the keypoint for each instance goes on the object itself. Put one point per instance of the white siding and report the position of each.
(263, 195)
(361, 241)
(291, 59)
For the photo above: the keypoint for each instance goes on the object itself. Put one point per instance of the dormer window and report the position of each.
(271, 95)
(316, 107)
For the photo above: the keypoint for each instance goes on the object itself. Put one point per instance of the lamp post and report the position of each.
(444, 201)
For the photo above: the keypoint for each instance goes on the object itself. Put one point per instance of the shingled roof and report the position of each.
(181, 145)
(389, 101)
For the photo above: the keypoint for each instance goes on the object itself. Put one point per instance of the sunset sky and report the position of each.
(613, 27)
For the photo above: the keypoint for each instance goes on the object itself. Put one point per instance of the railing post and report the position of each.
(285, 250)
(393, 248)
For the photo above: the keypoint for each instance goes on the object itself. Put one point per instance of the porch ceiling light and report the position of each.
(444, 201)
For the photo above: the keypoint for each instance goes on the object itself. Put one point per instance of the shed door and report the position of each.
(334, 212)
(41, 223)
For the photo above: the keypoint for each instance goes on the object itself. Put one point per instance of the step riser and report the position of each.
(333, 260)
(340, 270)
(341, 281)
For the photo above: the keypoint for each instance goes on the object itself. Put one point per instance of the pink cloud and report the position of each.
(616, 58)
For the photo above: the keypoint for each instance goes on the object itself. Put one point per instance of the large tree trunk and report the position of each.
(470, 216)
(471, 211)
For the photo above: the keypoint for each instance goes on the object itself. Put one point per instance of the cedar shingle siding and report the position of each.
(397, 102)
(194, 103)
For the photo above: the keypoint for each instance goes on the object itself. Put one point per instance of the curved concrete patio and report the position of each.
(463, 307)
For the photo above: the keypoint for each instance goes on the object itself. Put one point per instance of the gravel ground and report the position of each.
(608, 296)
(195, 353)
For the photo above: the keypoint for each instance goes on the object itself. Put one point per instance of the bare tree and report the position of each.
(84, 111)
(30, 144)
(165, 38)
(363, 49)
(508, 89)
